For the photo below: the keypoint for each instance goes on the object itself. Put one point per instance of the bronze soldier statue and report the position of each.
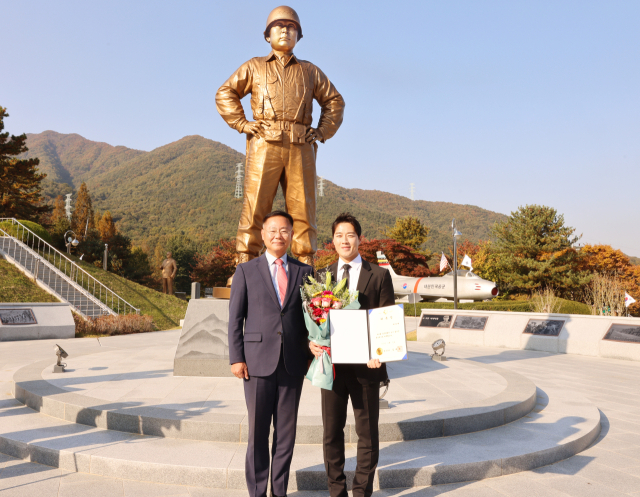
(169, 269)
(281, 144)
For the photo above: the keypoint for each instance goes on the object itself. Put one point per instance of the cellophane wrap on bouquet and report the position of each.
(318, 298)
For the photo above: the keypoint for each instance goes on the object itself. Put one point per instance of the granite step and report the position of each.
(517, 399)
(561, 425)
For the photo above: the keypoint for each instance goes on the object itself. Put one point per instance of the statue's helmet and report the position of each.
(283, 13)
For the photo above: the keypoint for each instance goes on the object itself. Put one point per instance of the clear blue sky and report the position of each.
(491, 103)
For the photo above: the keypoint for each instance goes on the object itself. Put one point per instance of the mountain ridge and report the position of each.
(187, 187)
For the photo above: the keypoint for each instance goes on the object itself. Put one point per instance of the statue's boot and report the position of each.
(240, 258)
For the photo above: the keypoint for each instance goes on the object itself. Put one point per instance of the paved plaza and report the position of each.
(132, 375)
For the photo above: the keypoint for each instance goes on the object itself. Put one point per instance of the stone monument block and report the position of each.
(36, 321)
(203, 348)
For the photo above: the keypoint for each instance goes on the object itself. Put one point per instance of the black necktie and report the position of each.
(346, 268)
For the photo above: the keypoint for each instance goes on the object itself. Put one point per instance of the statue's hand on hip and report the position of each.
(255, 128)
(313, 135)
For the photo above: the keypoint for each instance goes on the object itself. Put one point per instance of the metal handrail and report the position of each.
(82, 280)
(34, 269)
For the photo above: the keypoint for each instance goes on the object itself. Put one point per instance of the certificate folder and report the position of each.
(360, 335)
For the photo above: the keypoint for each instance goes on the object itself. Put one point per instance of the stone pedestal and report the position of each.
(203, 348)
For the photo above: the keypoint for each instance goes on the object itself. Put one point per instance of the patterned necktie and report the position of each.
(281, 279)
(345, 274)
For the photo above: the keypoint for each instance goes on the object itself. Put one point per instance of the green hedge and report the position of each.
(566, 306)
(16, 231)
(572, 307)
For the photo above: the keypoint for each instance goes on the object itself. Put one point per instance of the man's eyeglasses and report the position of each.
(283, 233)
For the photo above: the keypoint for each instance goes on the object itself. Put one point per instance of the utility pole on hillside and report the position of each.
(239, 176)
(320, 186)
(412, 190)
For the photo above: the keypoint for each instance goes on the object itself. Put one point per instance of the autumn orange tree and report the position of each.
(83, 218)
(613, 263)
(486, 262)
(465, 248)
(215, 267)
(59, 211)
(106, 227)
(20, 182)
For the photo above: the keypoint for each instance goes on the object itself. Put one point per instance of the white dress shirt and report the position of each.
(354, 272)
(273, 271)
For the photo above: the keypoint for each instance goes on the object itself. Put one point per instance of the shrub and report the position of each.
(605, 296)
(508, 306)
(545, 301)
(564, 306)
(572, 307)
(113, 325)
(16, 231)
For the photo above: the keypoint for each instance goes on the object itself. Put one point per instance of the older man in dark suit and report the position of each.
(360, 382)
(268, 347)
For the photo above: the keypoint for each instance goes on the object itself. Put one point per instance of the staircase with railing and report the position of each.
(59, 274)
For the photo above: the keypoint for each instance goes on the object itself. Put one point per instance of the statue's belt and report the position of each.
(284, 125)
(296, 132)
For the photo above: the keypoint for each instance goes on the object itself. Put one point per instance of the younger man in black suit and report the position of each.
(361, 382)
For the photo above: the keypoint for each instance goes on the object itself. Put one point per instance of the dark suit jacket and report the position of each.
(375, 289)
(254, 307)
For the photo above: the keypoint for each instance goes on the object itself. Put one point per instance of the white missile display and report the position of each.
(432, 288)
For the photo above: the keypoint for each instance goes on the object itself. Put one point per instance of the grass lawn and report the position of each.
(166, 310)
(16, 287)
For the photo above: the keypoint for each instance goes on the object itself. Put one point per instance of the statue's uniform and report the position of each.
(169, 270)
(282, 93)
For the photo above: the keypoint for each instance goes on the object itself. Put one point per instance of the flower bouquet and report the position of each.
(318, 298)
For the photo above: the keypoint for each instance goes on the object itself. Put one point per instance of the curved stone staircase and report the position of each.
(80, 422)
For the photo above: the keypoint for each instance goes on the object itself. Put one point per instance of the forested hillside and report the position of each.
(187, 187)
(73, 159)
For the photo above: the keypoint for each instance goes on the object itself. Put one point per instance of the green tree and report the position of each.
(408, 231)
(534, 249)
(57, 230)
(83, 217)
(20, 182)
(137, 267)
